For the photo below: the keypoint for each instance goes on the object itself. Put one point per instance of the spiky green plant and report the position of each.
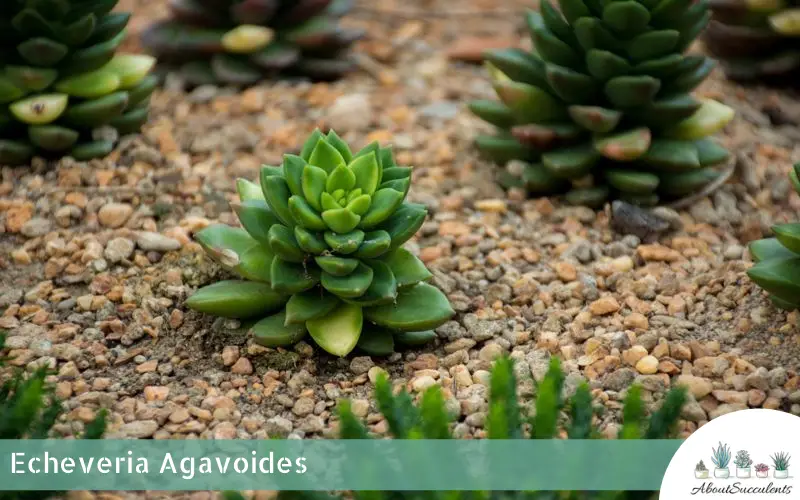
(61, 79)
(780, 460)
(321, 253)
(240, 42)
(777, 268)
(28, 410)
(506, 419)
(721, 456)
(755, 39)
(603, 107)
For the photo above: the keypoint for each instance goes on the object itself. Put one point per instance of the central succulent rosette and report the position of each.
(322, 235)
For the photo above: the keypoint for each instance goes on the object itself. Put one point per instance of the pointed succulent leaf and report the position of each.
(311, 304)
(276, 192)
(289, 278)
(225, 244)
(39, 109)
(249, 190)
(344, 243)
(780, 277)
(338, 332)
(236, 299)
(375, 244)
(420, 307)
(384, 203)
(382, 289)
(351, 286)
(407, 268)
(571, 162)
(788, 235)
(376, 341)
(626, 17)
(341, 220)
(257, 218)
(281, 240)
(336, 266)
(593, 197)
(313, 182)
(326, 157)
(311, 143)
(255, 264)
(625, 146)
(309, 242)
(360, 204)
(341, 146)
(629, 181)
(632, 91)
(604, 65)
(502, 149)
(131, 69)
(672, 155)
(786, 22)
(404, 223)
(341, 178)
(595, 118)
(275, 331)
(328, 202)
(293, 167)
(769, 249)
(386, 158)
(367, 172)
(709, 152)
(414, 338)
(679, 183)
(247, 39)
(493, 112)
(305, 215)
(528, 103)
(709, 119)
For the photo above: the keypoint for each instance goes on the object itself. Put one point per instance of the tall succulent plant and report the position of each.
(755, 39)
(603, 108)
(321, 252)
(240, 42)
(777, 268)
(61, 79)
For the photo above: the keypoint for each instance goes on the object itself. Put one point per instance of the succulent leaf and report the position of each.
(419, 307)
(236, 299)
(276, 331)
(339, 331)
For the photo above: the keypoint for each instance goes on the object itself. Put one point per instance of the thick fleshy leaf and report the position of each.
(309, 242)
(672, 155)
(336, 266)
(130, 68)
(367, 173)
(247, 38)
(570, 85)
(780, 277)
(311, 304)
(281, 240)
(341, 220)
(595, 118)
(305, 215)
(710, 153)
(255, 264)
(384, 203)
(293, 167)
(626, 146)
(276, 192)
(420, 307)
(528, 103)
(341, 146)
(405, 223)
(311, 143)
(313, 181)
(350, 286)
(407, 268)
(786, 22)
(257, 218)
(539, 179)
(708, 120)
(52, 137)
(339, 331)
(571, 162)
(632, 182)
(275, 331)
(344, 243)
(496, 113)
(249, 190)
(328, 202)
(789, 236)
(39, 109)
(794, 177)
(290, 278)
(225, 244)
(593, 197)
(236, 299)
(632, 91)
(769, 249)
(341, 178)
(383, 288)
(502, 149)
(375, 244)
(30, 78)
(787, 305)
(677, 184)
(360, 204)
(90, 85)
(414, 338)
(326, 157)
(376, 341)
(546, 137)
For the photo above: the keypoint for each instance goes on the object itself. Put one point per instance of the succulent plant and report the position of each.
(323, 236)
(777, 268)
(61, 79)
(762, 467)
(743, 460)
(700, 466)
(755, 39)
(780, 460)
(721, 456)
(602, 109)
(506, 419)
(240, 42)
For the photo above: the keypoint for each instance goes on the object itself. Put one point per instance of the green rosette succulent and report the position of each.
(777, 268)
(60, 79)
(602, 108)
(320, 252)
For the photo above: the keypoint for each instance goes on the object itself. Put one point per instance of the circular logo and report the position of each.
(748, 454)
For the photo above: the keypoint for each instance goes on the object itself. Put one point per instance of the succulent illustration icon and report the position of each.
(743, 463)
(721, 457)
(700, 470)
(762, 470)
(780, 462)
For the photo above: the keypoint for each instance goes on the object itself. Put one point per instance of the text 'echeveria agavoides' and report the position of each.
(320, 252)
(240, 42)
(61, 79)
(602, 108)
(777, 268)
(755, 38)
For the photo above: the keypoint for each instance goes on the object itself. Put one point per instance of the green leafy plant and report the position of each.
(61, 79)
(28, 410)
(780, 460)
(603, 107)
(777, 268)
(755, 39)
(721, 456)
(242, 42)
(321, 253)
(506, 419)
(743, 460)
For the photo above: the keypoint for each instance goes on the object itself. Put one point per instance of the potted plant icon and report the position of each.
(721, 457)
(780, 462)
(762, 470)
(700, 470)
(743, 463)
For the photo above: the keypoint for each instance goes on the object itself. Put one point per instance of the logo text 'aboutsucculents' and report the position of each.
(744, 452)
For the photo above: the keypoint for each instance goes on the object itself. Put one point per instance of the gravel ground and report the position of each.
(97, 258)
